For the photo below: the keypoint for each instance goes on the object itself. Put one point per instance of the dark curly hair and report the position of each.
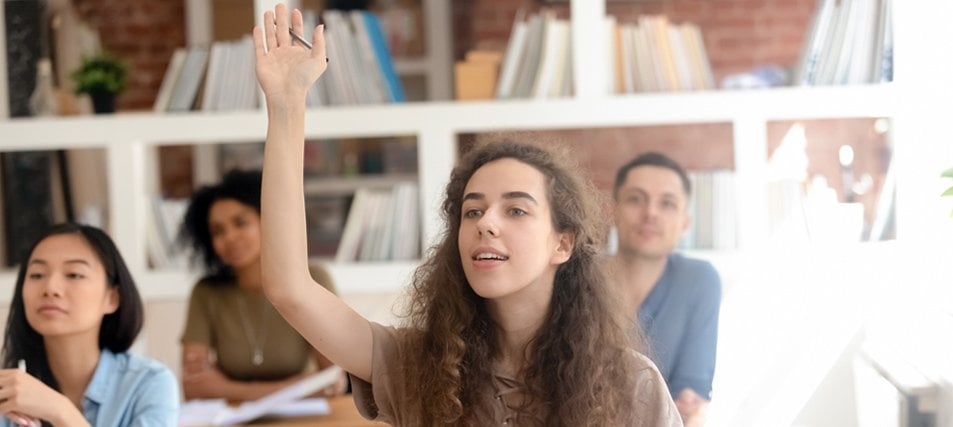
(579, 362)
(243, 186)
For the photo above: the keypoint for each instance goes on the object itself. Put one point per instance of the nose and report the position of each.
(487, 225)
(651, 210)
(52, 288)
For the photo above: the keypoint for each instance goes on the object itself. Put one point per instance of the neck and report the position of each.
(73, 362)
(517, 323)
(249, 277)
(636, 276)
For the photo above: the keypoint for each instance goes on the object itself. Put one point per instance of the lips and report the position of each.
(50, 308)
(488, 257)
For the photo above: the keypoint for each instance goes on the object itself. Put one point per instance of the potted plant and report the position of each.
(102, 76)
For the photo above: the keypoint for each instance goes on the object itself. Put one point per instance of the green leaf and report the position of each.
(947, 173)
(948, 192)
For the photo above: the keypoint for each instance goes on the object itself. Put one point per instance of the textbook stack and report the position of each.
(655, 55)
(382, 225)
(222, 77)
(537, 63)
(850, 42)
(650, 55)
(711, 208)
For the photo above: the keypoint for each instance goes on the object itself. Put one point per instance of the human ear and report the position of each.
(564, 246)
(111, 304)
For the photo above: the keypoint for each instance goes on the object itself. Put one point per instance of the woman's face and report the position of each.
(65, 289)
(507, 242)
(235, 229)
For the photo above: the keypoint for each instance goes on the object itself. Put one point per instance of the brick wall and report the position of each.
(144, 33)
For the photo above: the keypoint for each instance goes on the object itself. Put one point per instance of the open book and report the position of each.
(288, 401)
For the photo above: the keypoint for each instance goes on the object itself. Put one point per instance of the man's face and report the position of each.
(650, 212)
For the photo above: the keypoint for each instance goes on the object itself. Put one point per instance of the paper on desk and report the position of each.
(204, 412)
(285, 402)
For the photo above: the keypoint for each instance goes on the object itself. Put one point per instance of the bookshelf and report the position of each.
(917, 103)
(130, 139)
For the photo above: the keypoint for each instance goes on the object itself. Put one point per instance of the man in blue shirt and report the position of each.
(676, 298)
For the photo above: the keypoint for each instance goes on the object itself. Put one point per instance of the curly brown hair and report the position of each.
(578, 364)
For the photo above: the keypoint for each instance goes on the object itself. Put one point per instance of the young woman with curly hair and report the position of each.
(511, 320)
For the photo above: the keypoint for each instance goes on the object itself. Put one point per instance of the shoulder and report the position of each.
(139, 366)
(694, 272)
(653, 401)
(141, 376)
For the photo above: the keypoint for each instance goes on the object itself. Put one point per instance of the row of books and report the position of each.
(537, 63)
(652, 54)
(850, 42)
(713, 210)
(656, 55)
(222, 77)
(382, 225)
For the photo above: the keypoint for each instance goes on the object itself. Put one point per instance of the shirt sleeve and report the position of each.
(654, 405)
(198, 323)
(157, 400)
(376, 400)
(694, 366)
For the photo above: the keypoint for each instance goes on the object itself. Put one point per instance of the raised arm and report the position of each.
(285, 71)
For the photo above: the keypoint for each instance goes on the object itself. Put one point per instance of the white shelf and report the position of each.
(413, 118)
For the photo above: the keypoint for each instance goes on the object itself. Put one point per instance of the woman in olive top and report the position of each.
(235, 345)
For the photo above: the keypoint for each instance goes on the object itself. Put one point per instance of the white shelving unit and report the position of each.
(129, 140)
(918, 103)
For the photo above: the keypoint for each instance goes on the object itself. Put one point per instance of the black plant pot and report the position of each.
(103, 102)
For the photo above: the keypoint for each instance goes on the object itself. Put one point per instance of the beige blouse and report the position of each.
(381, 398)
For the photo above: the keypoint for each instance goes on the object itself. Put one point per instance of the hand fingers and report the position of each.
(269, 25)
(297, 22)
(23, 420)
(318, 50)
(259, 42)
(281, 25)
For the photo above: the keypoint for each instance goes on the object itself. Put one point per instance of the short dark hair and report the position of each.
(651, 158)
(118, 330)
(242, 186)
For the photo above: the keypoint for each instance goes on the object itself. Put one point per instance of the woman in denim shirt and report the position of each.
(75, 313)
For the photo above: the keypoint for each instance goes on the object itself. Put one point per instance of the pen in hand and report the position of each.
(299, 38)
(304, 42)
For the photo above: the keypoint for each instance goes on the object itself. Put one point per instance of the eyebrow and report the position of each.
(507, 195)
(70, 261)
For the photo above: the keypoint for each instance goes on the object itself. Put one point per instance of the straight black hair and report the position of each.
(116, 333)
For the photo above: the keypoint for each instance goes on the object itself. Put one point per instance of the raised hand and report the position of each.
(286, 69)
